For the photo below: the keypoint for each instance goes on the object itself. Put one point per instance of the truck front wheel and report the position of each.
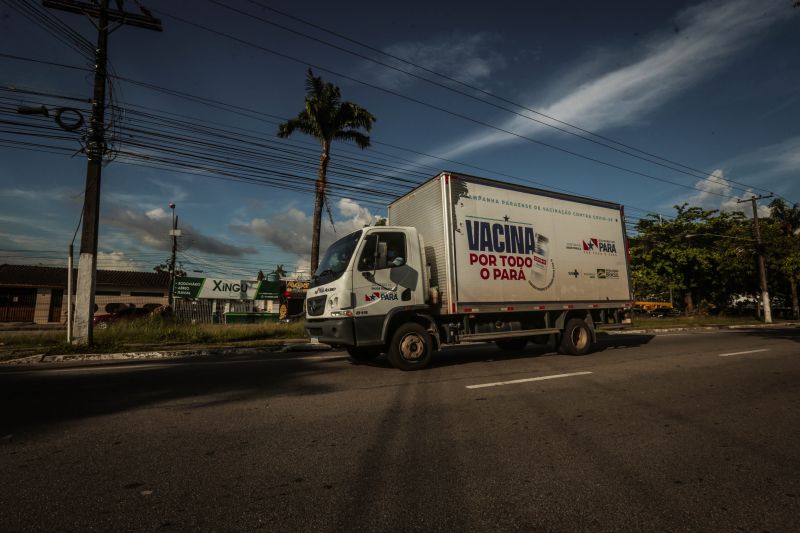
(363, 355)
(410, 348)
(576, 339)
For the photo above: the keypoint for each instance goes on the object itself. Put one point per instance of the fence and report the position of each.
(207, 311)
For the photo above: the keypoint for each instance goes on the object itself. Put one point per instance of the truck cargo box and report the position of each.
(495, 246)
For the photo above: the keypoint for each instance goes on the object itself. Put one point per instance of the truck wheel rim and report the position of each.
(412, 347)
(580, 337)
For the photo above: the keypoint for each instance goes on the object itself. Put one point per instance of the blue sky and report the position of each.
(709, 85)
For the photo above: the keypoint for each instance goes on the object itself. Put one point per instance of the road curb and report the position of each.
(288, 347)
(656, 331)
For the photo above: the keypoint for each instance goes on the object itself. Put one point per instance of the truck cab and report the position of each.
(363, 279)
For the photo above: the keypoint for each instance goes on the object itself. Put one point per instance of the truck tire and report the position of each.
(512, 345)
(410, 348)
(361, 355)
(576, 339)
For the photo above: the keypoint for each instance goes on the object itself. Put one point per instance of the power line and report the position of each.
(588, 137)
(249, 112)
(441, 109)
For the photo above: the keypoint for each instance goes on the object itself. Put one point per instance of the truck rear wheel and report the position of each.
(512, 345)
(576, 339)
(410, 348)
(363, 355)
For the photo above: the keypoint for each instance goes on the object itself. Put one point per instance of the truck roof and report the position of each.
(516, 187)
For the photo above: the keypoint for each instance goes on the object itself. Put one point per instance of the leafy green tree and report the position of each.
(787, 247)
(704, 255)
(662, 256)
(327, 118)
(791, 268)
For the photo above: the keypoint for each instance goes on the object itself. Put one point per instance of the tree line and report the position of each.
(706, 260)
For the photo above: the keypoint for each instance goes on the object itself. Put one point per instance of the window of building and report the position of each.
(107, 293)
(150, 294)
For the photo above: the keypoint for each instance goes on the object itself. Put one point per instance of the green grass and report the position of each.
(149, 333)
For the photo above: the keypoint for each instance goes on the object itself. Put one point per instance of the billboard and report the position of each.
(226, 289)
(512, 246)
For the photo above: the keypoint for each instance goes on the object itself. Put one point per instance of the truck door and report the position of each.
(383, 279)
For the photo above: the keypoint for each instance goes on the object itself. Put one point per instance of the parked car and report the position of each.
(128, 313)
(664, 312)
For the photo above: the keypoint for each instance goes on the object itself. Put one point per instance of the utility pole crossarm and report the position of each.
(114, 15)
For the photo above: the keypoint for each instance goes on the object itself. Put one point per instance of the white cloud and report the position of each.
(469, 58)
(159, 213)
(716, 192)
(290, 230)
(116, 261)
(771, 160)
(152, 229)
(708, 36)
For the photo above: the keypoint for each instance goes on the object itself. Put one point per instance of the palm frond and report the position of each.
(302, 122)
(353, 135)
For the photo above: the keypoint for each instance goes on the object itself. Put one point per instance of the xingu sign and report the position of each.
(226, 289)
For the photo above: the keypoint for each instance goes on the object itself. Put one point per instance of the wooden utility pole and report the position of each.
(95, 150)
(762, 269)
(175, 233)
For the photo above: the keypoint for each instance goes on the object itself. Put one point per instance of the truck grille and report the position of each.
(316, 306)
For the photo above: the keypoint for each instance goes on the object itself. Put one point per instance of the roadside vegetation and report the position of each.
(148, 334)
(705, 261)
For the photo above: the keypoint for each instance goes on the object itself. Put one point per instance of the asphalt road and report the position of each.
(681, 432)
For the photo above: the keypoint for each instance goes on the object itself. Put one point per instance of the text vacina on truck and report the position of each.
(468, 259)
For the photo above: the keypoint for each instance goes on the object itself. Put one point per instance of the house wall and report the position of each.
(105, 295)
(42, 310)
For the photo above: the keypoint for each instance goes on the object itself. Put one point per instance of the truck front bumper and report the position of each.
(333, 331)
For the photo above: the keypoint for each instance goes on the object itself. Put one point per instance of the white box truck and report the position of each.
(469, 259)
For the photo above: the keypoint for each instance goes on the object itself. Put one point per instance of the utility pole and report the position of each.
(175, 232)
(762, 269)
(69, 294)
(95, 150)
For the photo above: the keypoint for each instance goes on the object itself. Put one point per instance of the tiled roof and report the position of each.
(41, 276)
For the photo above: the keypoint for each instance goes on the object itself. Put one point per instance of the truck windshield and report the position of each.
(336, 259)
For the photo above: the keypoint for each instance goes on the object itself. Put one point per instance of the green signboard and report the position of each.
(226, 289)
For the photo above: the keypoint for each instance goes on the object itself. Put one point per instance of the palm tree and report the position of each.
(327, 118)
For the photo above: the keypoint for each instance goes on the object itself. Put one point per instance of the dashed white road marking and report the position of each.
(526, 380)
(742, 353)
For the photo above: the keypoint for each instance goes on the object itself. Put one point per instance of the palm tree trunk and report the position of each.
(795, 303)
(687, 299)
(318, 201)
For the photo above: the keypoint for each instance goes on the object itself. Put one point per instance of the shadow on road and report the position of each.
(35, 399)
(791, 334)
(605, 342)
(482, 353)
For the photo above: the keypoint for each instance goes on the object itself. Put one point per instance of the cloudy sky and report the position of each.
(647, 104)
